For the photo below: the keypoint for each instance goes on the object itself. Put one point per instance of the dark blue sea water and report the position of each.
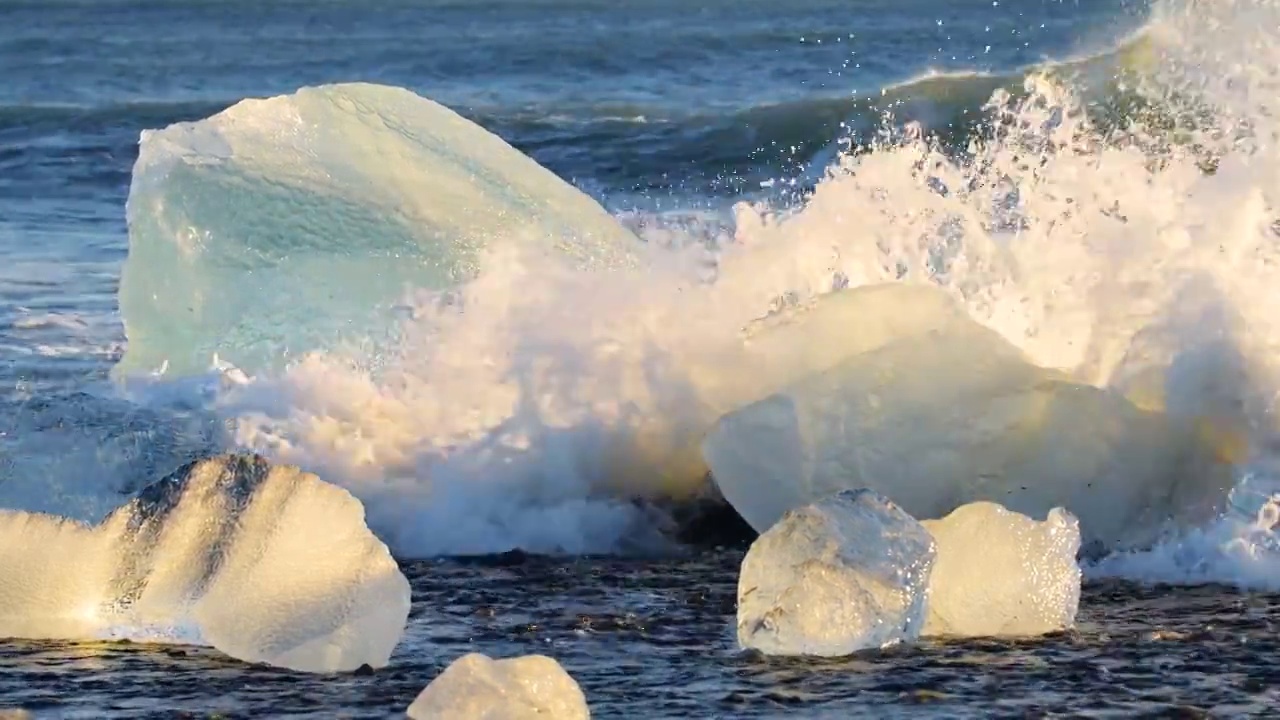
(650, 105)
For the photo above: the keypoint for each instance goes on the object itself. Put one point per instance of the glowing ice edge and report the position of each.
(847, 572)
(477, 686)
(268, 564)
(518, 421)
(851, 571)
(999, 573)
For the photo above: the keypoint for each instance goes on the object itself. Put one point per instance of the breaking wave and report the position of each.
(1127, 238)
(631, 146)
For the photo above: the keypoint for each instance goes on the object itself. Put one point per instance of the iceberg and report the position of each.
(791, 344)
(266, 563)
(767, 354)
(522, 688)
(298, 223)
(846, 573)
(946, 412)
(1002, 574)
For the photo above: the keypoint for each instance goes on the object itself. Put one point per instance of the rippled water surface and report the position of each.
(653, 639)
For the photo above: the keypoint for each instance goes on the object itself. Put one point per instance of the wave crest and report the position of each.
(528, 405)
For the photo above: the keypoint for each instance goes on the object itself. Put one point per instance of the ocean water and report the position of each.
(1126, 166)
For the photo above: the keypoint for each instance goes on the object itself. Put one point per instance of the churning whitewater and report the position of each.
(508, 388)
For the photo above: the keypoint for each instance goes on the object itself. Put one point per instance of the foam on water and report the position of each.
(1241, 548)
(520, 411)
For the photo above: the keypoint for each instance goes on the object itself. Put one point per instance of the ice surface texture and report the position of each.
(476, 687)
(266, 563)
(999, 573)
(937, 411)
(846, 573)
(295, 223)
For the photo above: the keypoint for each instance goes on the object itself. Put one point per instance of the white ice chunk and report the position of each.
(846, 573)
(265, 563)
(296, 223)
(1000, 573)
(476, 687)
(950, 413)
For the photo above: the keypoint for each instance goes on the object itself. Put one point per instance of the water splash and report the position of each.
(1241, 548)
(527, 407)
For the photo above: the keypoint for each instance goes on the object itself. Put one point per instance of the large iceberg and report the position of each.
(480, 688)
(938, 411)
(846, 573)
(297, 223)
(999, 573)
(265, 563)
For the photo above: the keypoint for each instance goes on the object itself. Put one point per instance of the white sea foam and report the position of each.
(517, 412)
(1241, 548)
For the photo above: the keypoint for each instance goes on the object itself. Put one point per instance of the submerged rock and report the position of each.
(476, 687)
(999, 573)
(846, 573)
(266, 563)
(704, 520)
(712, 523)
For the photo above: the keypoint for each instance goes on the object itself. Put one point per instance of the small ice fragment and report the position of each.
(478, 687)
(846, 573)
(1000, 573)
